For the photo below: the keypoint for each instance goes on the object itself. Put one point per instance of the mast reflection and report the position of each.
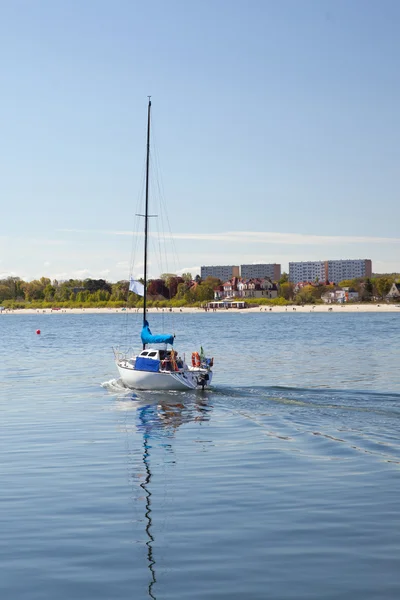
(145, 486)
(159, 416)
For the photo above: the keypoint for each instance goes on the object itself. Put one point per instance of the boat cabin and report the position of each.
(164, 360)
(154, 354)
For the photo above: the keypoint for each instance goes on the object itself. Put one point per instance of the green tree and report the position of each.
(82, 296)
(166, 277)
(119, 290)
(49, 292)
(308, 294)
(15, 286)
(284, 278)
(5, 291)
(203, 292)
(181, 291)
(286, 290)
(34, 290)
(173, 283)
(96, 284)
(367, 291)
(63, 291)
(102, 295)
(190, 297)
(347, 283)
(211, 281)
(383, 285)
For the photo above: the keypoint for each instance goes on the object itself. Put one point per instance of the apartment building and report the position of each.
(307, 271)
(338, 270)
(329, 270)
(261, 271)
(223, 272)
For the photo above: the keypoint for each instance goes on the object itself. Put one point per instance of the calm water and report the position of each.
(283, 482)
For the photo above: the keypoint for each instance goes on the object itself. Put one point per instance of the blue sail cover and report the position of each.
(149, 338)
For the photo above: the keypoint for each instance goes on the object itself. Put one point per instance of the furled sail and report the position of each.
(149, 338)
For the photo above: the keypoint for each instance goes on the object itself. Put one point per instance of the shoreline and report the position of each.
(317, 308)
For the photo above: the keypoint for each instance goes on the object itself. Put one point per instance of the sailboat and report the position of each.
(158, 366)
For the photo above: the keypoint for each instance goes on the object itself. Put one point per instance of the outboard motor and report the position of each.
(202, 380)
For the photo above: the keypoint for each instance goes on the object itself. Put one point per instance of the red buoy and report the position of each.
(38, 331)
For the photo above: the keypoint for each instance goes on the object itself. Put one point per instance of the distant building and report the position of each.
(307, 271)
(257, 288)
(340, 296)
(226, 304)
(230, 288)
(219, 292)
(246, 288)
(394, 291)
(329, 270)
(223, 272)
(338, 270)
(260, 271)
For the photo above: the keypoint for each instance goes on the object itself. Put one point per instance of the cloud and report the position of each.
(82, 273)
(122, 264)
(256, 237)
(42, 241)
(73, 274)
(294, 239)
(193, 270)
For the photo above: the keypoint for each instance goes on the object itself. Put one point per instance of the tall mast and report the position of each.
(146, 213)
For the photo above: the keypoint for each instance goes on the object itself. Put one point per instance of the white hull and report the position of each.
(163, 380)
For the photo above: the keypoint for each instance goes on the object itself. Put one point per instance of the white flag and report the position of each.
(137, 287)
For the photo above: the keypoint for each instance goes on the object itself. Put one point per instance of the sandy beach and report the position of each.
(337, 308)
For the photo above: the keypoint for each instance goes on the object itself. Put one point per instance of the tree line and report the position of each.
(368, 289)
(169, 289)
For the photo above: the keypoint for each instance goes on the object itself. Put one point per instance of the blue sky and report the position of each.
(276, 129)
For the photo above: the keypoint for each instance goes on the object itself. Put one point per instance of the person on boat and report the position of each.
(174, 361)
(179, 361)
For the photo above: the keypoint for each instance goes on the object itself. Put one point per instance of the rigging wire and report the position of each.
(165, 240)
(137, 236)
(165, 222)
(161, 239)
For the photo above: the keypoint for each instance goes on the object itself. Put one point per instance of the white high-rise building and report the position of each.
(338, 270)
(329, 270)
(311, 270)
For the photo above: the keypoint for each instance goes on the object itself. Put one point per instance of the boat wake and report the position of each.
(115, 386)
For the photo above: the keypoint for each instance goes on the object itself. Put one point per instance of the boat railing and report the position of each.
(122, 353)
